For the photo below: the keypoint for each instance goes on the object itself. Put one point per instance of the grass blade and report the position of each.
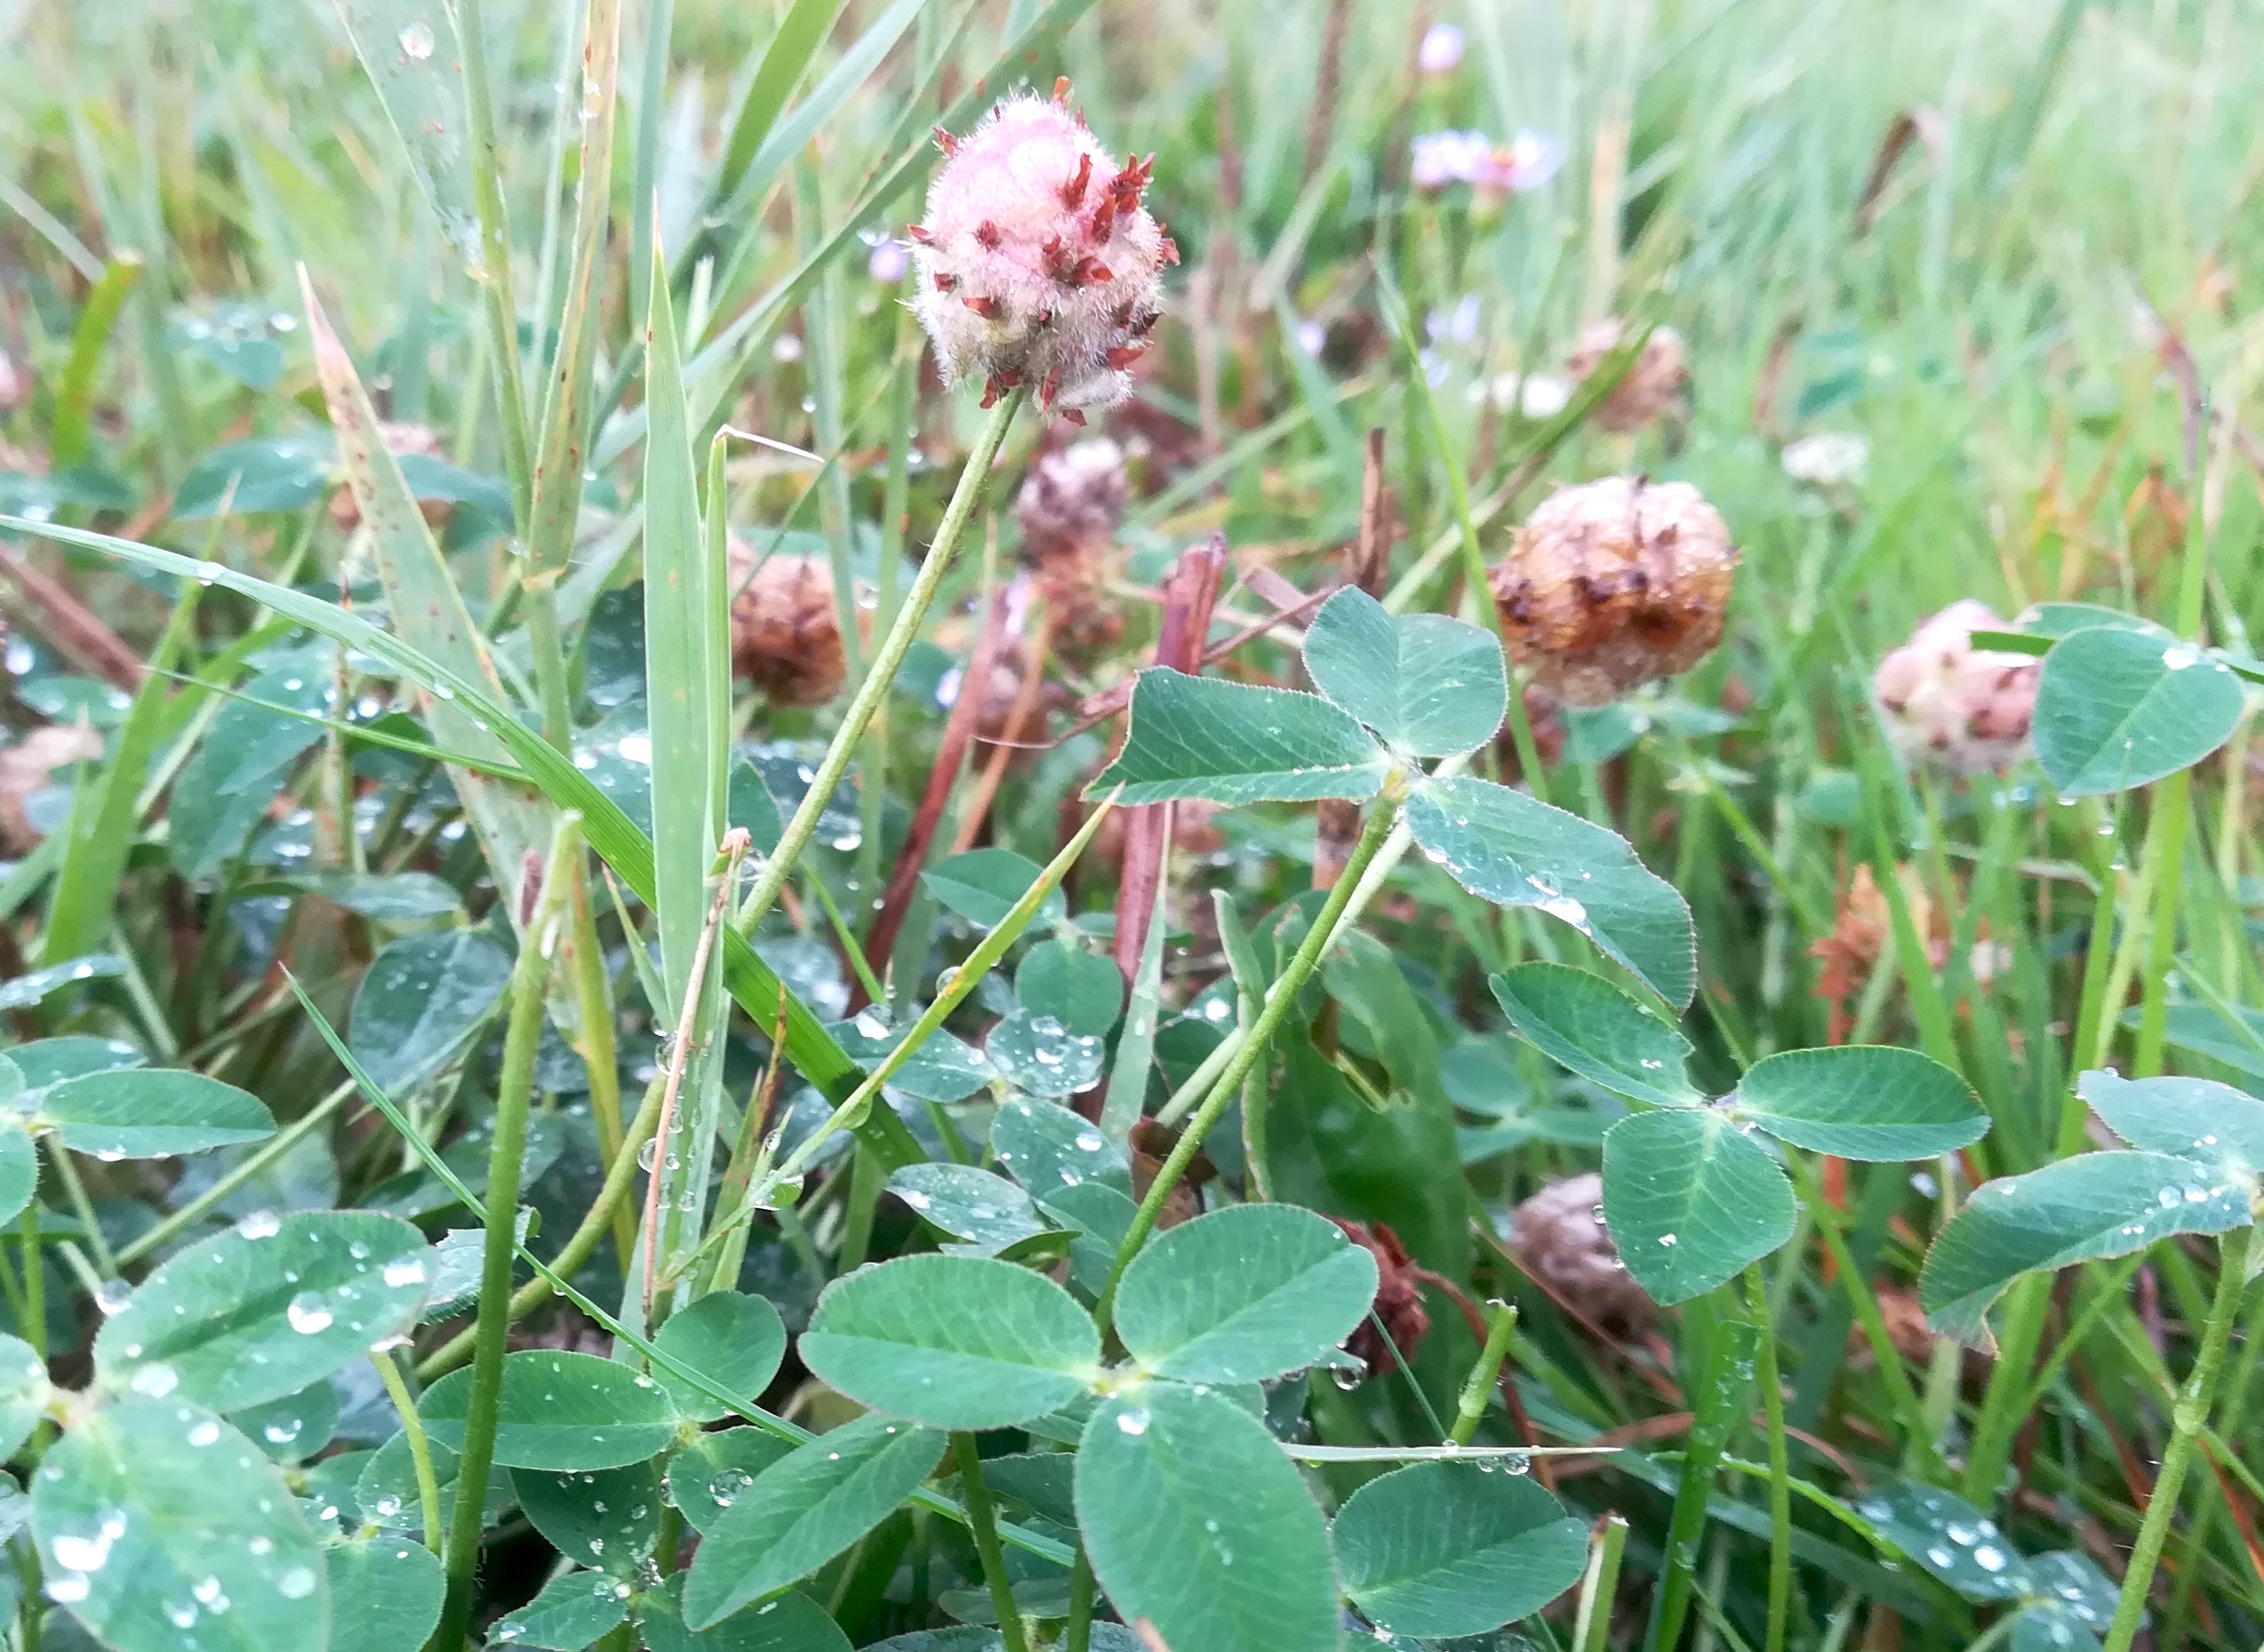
(68, 438)
(1719, 1406)
(800, 34)
(423, 601)
(102, 826)
(556, 503)
(415, 72)
(688, 703)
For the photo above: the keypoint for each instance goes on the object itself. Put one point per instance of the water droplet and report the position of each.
(156, 1379)
(204, 1432)
(111, 1296)
(405, 1272)
(296, 1584)
(724, 1489)
(259, 1225)
(307, 1313)
(84, 1554)
(1132, 1423)
(417, 40)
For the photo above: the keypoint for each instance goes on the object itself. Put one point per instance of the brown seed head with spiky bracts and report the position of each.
(1071, 506)
(786, 632)
(1558, 1236)
(1038, 265)
(1072, 499)
(1614, 584)
(1653, 385)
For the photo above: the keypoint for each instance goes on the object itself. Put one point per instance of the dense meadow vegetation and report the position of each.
(1055, 826)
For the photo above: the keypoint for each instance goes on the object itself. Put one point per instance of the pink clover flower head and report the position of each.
(1441, 50)
(1038, 264)
(1951, 704)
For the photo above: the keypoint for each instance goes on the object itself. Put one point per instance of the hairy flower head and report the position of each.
(1953, 705)
(1038, 264)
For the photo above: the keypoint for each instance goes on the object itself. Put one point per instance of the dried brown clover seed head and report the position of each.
(1558, 1236)
(1949, 703)
(1071, 506)
(1398, 1302)
(1084, 622)
(1072, 499)
(1613, 584)
(1038, 264)
(786, 633)
(1652, 386)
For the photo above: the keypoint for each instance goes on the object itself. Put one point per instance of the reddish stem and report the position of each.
(1189, 595)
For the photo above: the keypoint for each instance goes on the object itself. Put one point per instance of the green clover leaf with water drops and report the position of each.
(261, 1311)
(154, 1517)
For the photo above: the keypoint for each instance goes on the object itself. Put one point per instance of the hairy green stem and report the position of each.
(83, 1207)
(964, 981)
(1078, 1636)
(594, 999)
(1780, 1574)
(2187, 1419)
(514, 1094)
(35, 1280)
(612, 1201)
(420, 1448)
(1469, 1410)
(2229, 1424)
(983, 1525)
(1279, 1003)
(964, 500)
